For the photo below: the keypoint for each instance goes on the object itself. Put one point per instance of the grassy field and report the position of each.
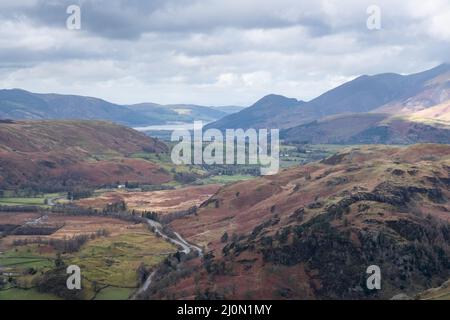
(28, 256)
(22, 201)
(114, 260)
(291, 155)
(28, 201)
(223, 179)
(24, 264)
(25, 294)
(108, 264)
(114, 293)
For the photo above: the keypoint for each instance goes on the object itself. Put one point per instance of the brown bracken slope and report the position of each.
(310, 232)
(55, 155)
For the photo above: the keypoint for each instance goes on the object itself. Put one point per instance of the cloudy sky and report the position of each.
(214, 52)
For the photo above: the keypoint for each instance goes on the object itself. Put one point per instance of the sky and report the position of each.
(214, 52)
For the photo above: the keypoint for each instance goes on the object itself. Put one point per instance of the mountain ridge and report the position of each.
(382, 93)
(19, 104)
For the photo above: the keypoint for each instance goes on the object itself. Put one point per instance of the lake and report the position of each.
(168, 127)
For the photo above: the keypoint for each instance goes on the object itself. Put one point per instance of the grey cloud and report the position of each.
(130, 19)
(212, 52)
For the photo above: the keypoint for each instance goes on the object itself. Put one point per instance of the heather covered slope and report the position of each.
(440, 113)
(374, 128)
(310, 232)
(63, 154)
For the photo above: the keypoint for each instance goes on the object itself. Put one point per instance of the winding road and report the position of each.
(180, 242)
(187, 247)
(51, 201)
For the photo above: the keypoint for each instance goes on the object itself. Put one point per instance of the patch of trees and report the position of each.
(413, 252)
(232, 170)
(79, 211)
(143, 273)
(131, 185)
(69, 245)
(170, 272)
(8, 227)
(21, 209)
(168, 217)
(7, 121)
(37, 229)
(259, 228)
(224, 238)
(216, 267)
(119, 206)
(147, 188)
(78, 194)
(185, 177)
(54, 282)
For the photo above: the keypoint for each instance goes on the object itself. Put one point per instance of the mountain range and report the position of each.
(382, 104)
(17, 104)
(387, 108)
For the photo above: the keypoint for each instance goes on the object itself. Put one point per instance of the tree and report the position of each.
(224, 237)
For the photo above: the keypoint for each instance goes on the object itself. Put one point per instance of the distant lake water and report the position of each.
(168, 127)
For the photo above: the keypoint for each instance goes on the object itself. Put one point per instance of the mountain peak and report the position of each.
(275, 99)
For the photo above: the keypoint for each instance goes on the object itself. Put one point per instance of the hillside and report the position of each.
(259, 115)
(440, 112)
(179, 113)
(19, 104)
(433, 89)
(373, 128)
(65, 154)
(310, 232)
(383, 93)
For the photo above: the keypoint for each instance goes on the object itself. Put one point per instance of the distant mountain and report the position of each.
(19, 104)
(432, 87)
(229, 109)
(420, 115)
(179, 112)
(383, 93)
(260, 114)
